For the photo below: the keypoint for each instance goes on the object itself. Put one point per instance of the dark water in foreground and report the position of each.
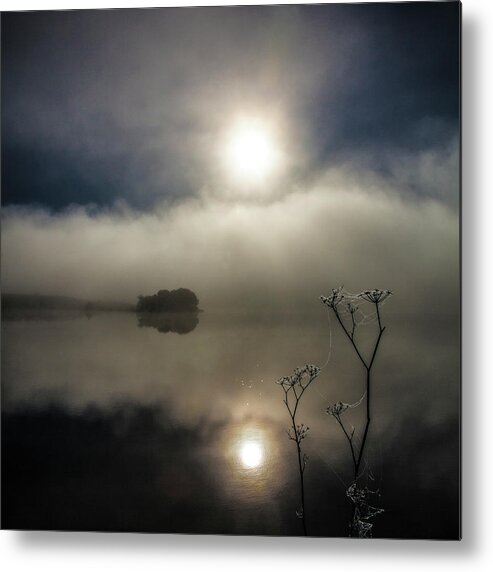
(111, 423)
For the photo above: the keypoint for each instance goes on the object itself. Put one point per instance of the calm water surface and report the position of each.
(175, 424)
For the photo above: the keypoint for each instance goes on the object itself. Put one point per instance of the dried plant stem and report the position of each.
(297, 440)
(359, 523)
(294, 388)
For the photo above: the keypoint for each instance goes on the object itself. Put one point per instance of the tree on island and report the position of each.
(180, 300)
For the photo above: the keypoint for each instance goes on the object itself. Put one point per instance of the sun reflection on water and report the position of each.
(251, 461)
(249, 449)
(251, 454)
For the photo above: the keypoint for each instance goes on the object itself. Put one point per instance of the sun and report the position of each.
(251, 454)
(252, 154)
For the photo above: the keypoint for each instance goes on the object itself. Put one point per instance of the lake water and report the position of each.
(177, 425)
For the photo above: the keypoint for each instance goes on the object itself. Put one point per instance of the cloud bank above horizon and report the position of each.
(281, 255)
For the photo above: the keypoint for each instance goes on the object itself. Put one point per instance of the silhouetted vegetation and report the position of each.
(350, 316)
(294, 386)
(180, 300)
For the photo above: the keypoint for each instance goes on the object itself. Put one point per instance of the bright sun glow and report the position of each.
(252, 154)
(251, 454)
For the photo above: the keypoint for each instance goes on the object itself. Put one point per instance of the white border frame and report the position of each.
(52, 551)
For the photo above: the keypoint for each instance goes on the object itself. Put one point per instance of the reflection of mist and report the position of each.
(28, 315)
(165, 322)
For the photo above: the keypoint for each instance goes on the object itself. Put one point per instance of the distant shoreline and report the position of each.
(15, 304)
(47, 302)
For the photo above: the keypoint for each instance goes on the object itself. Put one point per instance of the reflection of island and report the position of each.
(164, 322)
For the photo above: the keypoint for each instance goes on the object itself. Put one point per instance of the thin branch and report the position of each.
(350, 440)
(350, 338)
(382, 330)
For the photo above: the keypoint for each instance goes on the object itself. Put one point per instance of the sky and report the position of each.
(117, 172)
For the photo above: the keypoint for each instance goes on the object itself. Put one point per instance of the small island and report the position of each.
(169, 311)
(180, 300)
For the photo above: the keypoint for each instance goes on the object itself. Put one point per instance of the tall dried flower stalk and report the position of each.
(294, 387)
(346, 310)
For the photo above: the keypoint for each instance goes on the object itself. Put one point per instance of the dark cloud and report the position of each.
(401, 88)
